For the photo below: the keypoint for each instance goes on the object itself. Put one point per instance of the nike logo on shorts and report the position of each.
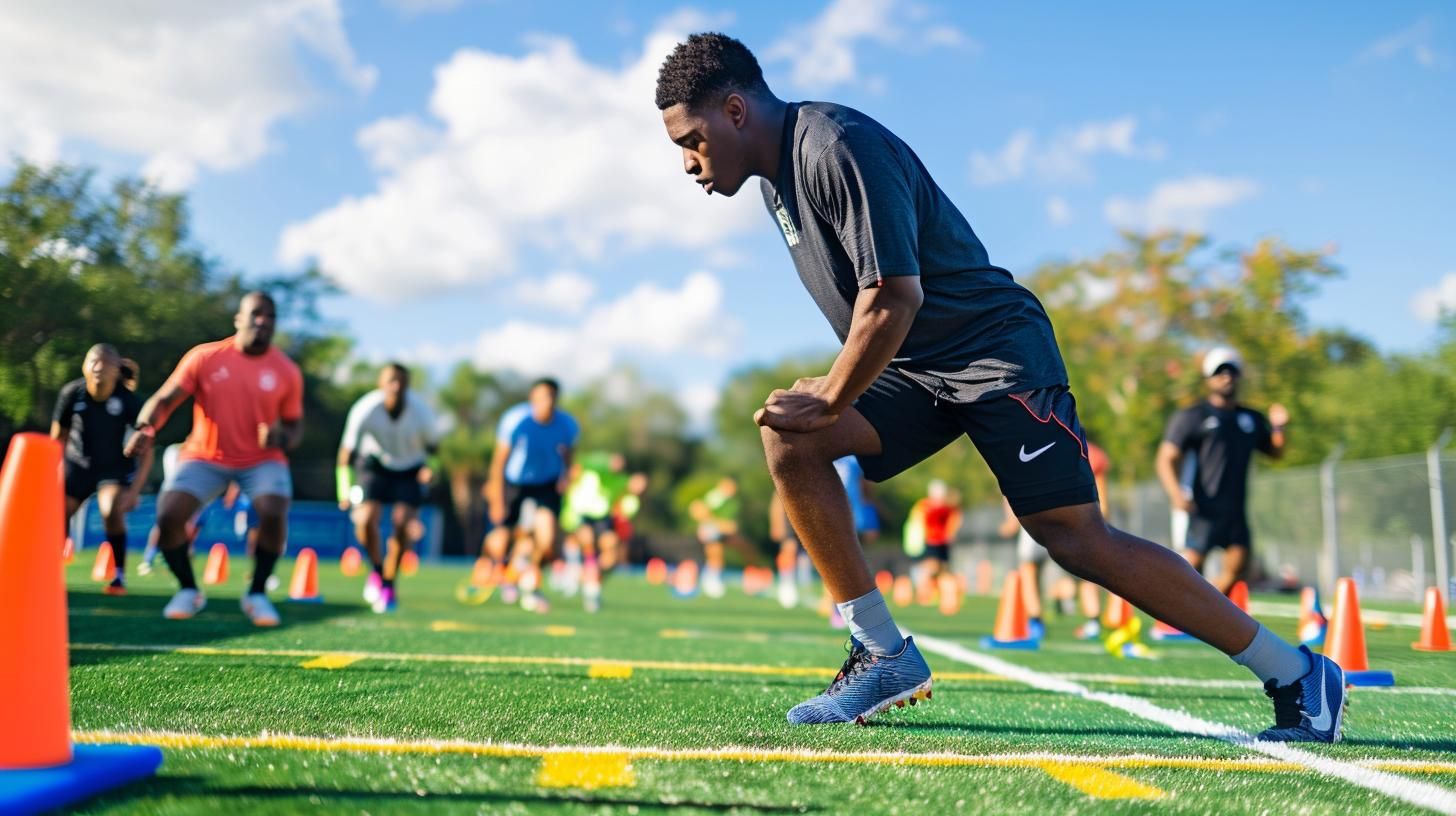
(1027, 457)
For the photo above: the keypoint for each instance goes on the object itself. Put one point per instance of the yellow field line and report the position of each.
(330, 661)
(1100, 783)
(586, 771)
(499, 750)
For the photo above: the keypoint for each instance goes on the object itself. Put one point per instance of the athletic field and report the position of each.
(658, 702)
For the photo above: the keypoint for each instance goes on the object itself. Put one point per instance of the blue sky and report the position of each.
(489, 180)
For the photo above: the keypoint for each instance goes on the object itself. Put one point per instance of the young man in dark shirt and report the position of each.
(93, 415)
(938, 342)
(1220, 436)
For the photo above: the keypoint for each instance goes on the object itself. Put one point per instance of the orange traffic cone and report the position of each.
(35, 696)
(482, 573)
(1162, 631)
(656, 571)
(685, 579)
(1012, 629)
(950, 594)
(216, 571)
(984, 578)
(105, 567)
(1345, 639)
(1435, 636)
(351, 562)
(903, 593)
(885, 582)
(1117, 614)
(926, 592)
(1239, 594)
(303, 588)
(68, 552)
(409, 563)
(1312, 622)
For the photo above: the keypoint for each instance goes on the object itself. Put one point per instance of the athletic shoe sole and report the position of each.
(911, 696)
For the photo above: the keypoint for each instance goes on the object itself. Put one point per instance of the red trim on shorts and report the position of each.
(1081, 443)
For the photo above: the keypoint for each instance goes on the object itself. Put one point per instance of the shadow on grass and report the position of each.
(973, 728)
(184, 787)
(1446, 745)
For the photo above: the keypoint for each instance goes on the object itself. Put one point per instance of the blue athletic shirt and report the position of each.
(537, 451)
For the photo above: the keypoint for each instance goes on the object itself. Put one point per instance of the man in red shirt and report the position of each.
(247, 410)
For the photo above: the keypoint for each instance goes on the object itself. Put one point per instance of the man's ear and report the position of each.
(735, 107)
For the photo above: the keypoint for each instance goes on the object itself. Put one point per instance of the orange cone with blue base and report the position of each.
(656, 571)
(40, 770)
(104, 568)
(1345, 640)
(1312, 622)
(409, 563)
(1012, 629)
(351, 562)
(216, 571)
(1435, 634)
(1239, 594)
(304, 586)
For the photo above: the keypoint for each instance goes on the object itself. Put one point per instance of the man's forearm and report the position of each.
(875, 336)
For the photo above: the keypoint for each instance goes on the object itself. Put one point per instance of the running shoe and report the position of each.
(386, 601)
(259, 609)
(116, 587)
(1312, 709)
(1090, 630)
(534, 601)
(185, 604)
(713, 584)
(867, 685)
(372, 585)
(788, 594)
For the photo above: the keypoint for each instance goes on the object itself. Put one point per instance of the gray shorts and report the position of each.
(206, 481)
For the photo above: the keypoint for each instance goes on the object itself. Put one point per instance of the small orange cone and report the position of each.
(105, 567)
(656, 571)
(984, 578)
(351, 562)
(1012, 629)
(68, 552)
(1435, 636)
(926, 592)
(304, 586)
(1345, 639)
(1312, 622)
(1117, 614)
(482, 573)
(409, 563)
(885, 582)
(35, 695)
(1239, 594)
(903, 593)
(216, 571)
(685, 579)
(950, 594)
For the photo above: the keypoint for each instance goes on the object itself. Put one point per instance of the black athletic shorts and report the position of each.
(936, 552)
(1230, 530)
(1032, 441)
(82, 482)
(386, 486)
(599, 525)
(545, 496)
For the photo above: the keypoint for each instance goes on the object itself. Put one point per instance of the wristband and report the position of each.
(147, 430)
(344, 479)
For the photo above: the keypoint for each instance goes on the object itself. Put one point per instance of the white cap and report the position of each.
(1221, 356)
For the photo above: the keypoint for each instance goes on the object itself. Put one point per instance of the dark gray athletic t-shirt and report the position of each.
(855, 205)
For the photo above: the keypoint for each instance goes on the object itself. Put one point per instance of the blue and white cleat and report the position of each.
(1311, 710)
(867, 685)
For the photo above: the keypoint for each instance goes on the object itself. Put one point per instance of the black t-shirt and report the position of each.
(98, 429)
(1222, 443)
(855, 206)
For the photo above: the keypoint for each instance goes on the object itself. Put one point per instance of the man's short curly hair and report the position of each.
(705, 69)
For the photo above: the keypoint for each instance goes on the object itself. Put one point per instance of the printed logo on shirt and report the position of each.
(1246, 422)
(1210, 424)
(79, 406)
(268, 380)
(113, 406)
(219, 375)
(791, 233)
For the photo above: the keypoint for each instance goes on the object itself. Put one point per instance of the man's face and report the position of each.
(712, 143)
(393, 384)
(101, 370)
(255, 321)
(1225, 381)
(543, 402)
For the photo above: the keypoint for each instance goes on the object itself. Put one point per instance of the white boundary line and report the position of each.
(1412, 791)
(1248, 685)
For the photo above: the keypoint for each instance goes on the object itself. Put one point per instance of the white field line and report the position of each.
(1411, 791)
(1274, 609)
(1249, 685)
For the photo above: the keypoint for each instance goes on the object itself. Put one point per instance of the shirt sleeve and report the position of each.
(292, 410)
(354, 424)
(133, 407)
(1181, 429)
(1263, 433)
(65, 405)
(573, 431)
(184, 376)
(509, 422)
(860, 186)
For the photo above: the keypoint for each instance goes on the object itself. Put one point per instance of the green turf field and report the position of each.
(657, 702)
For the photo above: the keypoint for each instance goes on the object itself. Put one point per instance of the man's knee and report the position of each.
(1075, 539)
(787, 451)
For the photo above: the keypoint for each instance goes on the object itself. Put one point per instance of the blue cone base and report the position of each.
(1369, 678)
(989, 642)
(1172, 637)
(317, 599)
(93, 769)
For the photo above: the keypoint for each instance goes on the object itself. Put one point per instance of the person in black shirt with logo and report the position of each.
(1220, 436)
(93, 416)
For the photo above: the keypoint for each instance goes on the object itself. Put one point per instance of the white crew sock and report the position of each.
(1270, 658)
(870, 623)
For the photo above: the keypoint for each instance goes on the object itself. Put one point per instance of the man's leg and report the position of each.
(1235, 567)
(366, 530)
(114, 521)
(272, 513)
(399, 540)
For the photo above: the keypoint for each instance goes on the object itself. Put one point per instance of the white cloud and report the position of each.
(1430, 303)
(424, 6)
(648, 322)
(181, 84)
(821, 52)
(1065, 157)
(699, 400)
(1180, 203)
(1058, 211)
(564, 292)
(544, 151)
(1414, 40)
